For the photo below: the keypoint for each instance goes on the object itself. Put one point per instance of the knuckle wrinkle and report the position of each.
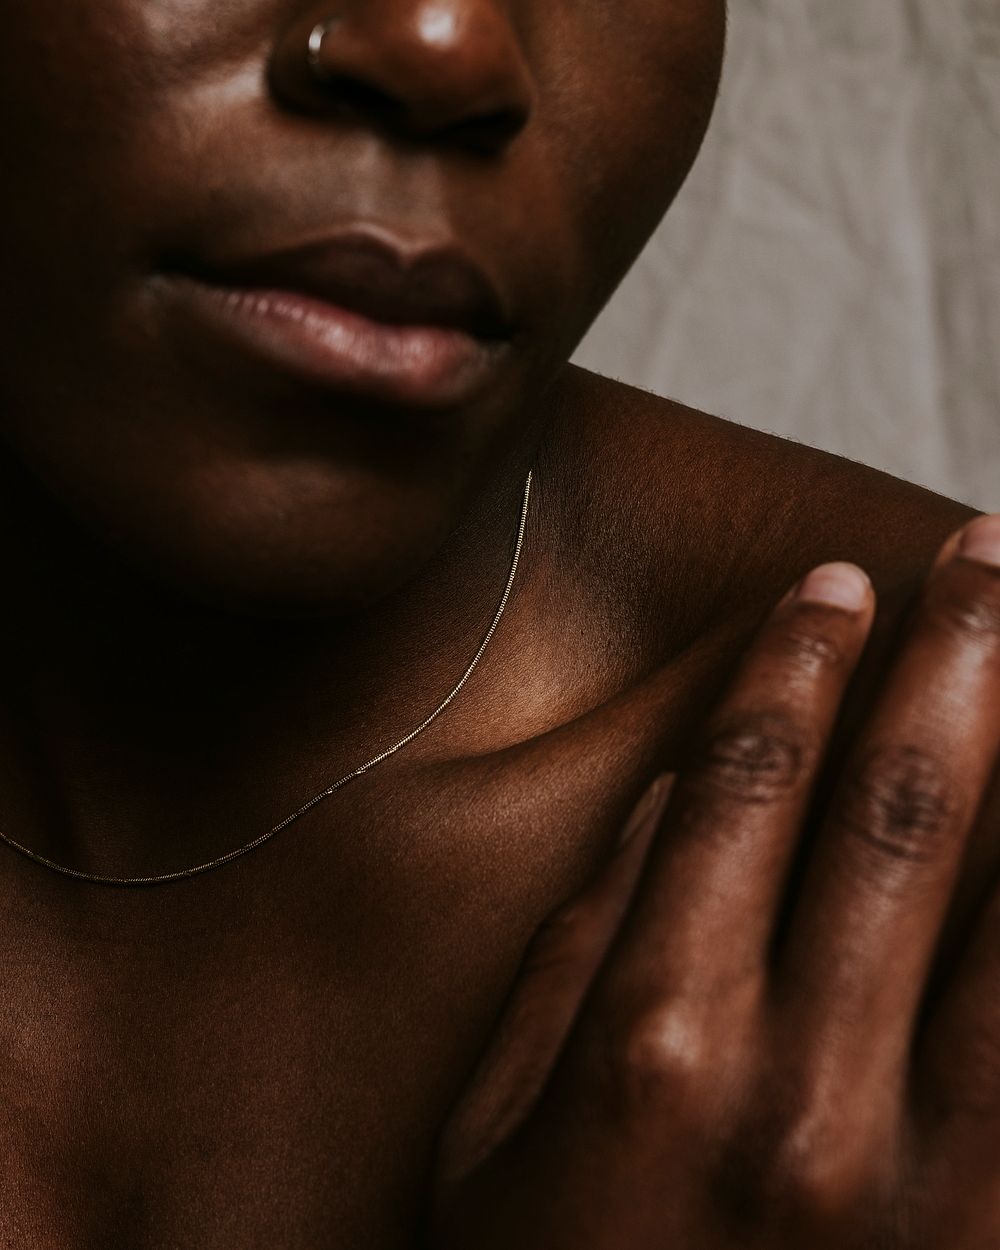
(755, 759)
(811, 650)
(902, 804)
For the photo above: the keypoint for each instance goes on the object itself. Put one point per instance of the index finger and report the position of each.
(707, 902)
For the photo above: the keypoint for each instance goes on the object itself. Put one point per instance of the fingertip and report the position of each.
(949, 549)
(979, 541)
(839, 585)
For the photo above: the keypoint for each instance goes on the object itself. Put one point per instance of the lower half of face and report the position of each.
(270, 327)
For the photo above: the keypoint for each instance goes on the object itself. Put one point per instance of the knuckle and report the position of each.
(901, 804)
(799, 1164)
(754, 757)
(654, 1059)
(808, 1176)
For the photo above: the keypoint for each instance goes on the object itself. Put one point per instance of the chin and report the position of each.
(256, 496)
(298, 540)
(302, 548)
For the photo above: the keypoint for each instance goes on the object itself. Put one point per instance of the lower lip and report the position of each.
(422, 366)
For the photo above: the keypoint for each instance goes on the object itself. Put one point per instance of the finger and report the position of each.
(866, 922)
(957, 1066)
(956, 1086)
(705, 908)
(554, 977)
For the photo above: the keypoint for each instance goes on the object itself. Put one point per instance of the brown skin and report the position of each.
(225, 589)
(721, 1042)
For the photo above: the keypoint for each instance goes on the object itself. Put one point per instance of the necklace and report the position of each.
(166, 877)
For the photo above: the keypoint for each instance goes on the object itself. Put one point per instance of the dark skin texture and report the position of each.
(226, 588)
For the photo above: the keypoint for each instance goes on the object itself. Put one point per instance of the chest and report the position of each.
(265, 1057)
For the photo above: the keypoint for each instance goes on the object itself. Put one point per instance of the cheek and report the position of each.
(635, 100)
(85, 88)
(70, 102)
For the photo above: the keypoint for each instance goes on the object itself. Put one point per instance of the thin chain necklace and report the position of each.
(166, 877)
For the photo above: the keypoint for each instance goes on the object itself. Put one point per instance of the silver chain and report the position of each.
(163, 878)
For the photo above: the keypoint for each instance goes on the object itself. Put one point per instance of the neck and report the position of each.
(141, 732)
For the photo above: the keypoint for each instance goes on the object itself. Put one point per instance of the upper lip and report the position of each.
(372, 273)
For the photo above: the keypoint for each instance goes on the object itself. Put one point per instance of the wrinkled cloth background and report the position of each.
(831, 272)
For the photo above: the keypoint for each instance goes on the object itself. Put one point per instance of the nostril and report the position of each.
(485, 132)
(489, 132)
(363, 97)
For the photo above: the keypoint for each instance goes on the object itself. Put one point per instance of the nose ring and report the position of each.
(317, 37)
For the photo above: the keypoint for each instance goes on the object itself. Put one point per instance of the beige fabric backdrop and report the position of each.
(832, 270)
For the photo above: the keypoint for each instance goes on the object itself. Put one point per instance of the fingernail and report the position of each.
(837, 585)
(980, 540)
(649, 808)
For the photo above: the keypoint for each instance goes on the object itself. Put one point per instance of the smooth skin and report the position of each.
(225, 587)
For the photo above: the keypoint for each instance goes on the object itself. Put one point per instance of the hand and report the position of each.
(726, 1042)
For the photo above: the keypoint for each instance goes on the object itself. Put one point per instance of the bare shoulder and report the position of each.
(720, 519)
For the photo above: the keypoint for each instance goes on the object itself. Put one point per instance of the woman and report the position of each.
(289, 291)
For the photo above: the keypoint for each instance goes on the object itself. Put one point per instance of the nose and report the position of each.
(436, 70)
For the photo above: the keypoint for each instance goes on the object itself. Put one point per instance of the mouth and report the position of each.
(358, 314)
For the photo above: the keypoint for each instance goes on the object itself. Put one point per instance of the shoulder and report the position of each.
(675, 514)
